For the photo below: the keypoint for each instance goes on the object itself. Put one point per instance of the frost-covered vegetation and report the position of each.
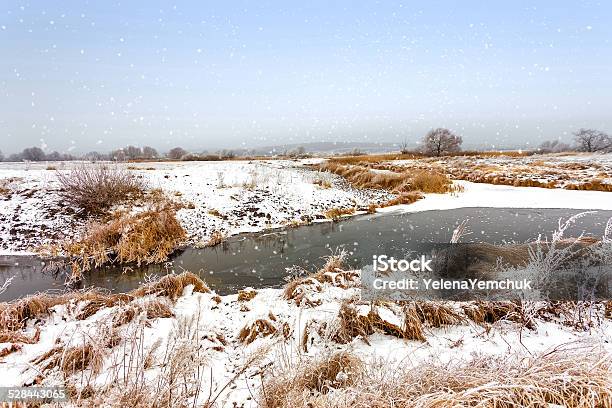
(315, 342)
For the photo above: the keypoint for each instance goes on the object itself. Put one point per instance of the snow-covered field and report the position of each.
(570, 171)
(238, 196)
(217, 360)
(228, 197)
(201, 347)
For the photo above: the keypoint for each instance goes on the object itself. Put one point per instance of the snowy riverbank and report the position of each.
(231, 197)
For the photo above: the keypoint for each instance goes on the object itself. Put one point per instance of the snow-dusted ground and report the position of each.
(201, 319)
(231, 197)
(496, 196)
(240, 196)
(552, 170)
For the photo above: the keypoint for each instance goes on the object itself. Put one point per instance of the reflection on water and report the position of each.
(261, 260)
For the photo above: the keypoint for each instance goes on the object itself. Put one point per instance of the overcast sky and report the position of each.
(79, 76)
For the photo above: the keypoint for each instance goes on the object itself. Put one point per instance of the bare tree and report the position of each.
(591, 140)
(554, 146)
(177, 153)
(95, 156)
(149, 153)
(33, 154)
(119, 155)
(441, 141)
(1, 156)
(404, 147)
(132, 152)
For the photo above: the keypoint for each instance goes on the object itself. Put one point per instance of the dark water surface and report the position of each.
(262, 259)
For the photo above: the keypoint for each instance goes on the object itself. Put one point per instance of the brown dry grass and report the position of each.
(572, 378)
(263, 328)
(593, 185)
(490, 312)
(319, 377)
(403, 198)
(246, 295)
(72, 359)
(96, 301)
(147, 237)
(395, 182)
(15, 315)
(215, 213)
(353, 324)
(172, 286)
(16, 337)
(337, 213)
(96, 188)
(377, 158)
(215, 239)
(331, 272)
(436, 314)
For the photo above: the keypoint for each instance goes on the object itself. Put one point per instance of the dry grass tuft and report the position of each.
(73, 359)
(352, 324)
(215, 213)
(403, 198)
(147, 237)
(97, 301)
(15, 337)
(436, 314)
(216, 238)
(96, 188)
(14, 315)
(172, 286)
(158, 308)
(408, 181)
(259, 328)
(490, 312)
(246, 295)
(332, 272)
(570, 378)
(336, 212)
(428, 182)
(291, 388)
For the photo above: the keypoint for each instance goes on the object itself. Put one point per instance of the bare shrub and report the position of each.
(96, 188)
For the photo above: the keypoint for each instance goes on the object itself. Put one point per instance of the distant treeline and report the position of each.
(134, 153)
(437, 142)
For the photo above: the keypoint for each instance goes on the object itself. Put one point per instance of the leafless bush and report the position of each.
(96, 188)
